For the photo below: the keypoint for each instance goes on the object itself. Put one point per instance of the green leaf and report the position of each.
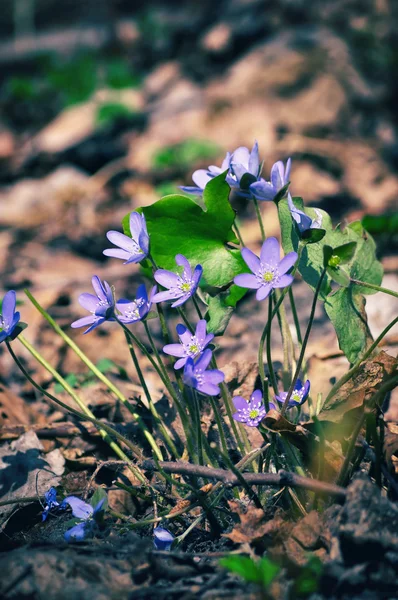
(282, 193)
(345, 252)
(346, 310)
(97, 496)
(111, 111)
(243, 566)
(269, 571)
(312, 236)
(177, 225)
(71, 378)
(220, 308)
(339, 275)
(183, 155)
(104, 365)
(345, 307)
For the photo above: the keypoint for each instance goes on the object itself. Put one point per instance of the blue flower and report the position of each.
(131, 249)
(181, 287)
(89, 516)
(267, 190)
(201, 177)
(191, 346)
(268, 271)
(101, 305)
(196, 376)
(130, 311)
(250, 413)
(303, 221)
(162, 538)
(244, 163)
(51, 503)
(299, 395)
(9, 319)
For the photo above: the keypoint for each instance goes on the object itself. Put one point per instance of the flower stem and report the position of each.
(295, 316)
(93, 368)
(372, 286)
(151, 404)
(259, 218)
(105, 430)
(196, 403)
(268, 348)
(305, 341)
(197, 308)
(238, 233)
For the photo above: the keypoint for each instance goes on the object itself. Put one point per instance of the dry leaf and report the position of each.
(253, 526)
(359, 390)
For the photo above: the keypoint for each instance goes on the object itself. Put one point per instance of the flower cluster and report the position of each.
(252, 412)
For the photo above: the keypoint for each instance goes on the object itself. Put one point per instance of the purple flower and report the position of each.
(250, 413)
(191, 346)
(162, 538)
(131, 311)
(269, 271)
(299, 396)
(101, 305)
(267, 190)
(9, 319)
(196, 376)
(131, 249)
(202, 177)
(181, 287)
(51, 503)
(303, 221)
(88, 514)
(244, 162)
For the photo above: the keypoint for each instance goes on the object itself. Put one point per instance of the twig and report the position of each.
(280, 479)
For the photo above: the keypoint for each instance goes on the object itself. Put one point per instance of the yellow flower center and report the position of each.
(185, 287)
(253, 413)
(193, 349)
(268, 276)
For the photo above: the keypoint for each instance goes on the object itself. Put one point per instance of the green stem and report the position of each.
(151, 404)
(350, 451)
(93, 369)
(163, 324)
(295, 316)
(372, 286)
(287, 343)
(356, 366)
(219, 424)
(259, 218)
(197, 308)
(105, 430)
(196, 403)
(305, 341)
(238, 233)
(268, 348)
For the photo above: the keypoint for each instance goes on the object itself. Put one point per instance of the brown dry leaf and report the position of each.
(14, 411)
(391, 446)
(253, 526)
(359, 390)
(181, 505)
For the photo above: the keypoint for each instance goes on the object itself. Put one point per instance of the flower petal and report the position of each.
(137, 223)
(119, 239)
(262, 190)
(270, 252)
(247, 280)
(182, 261)
(200, 330)
(197, 274)
(190, 189)
(8, 306)
(252, 261)
(83, 321)
(240, 403)
(204, 360)
(287, 262)
(80, 509)
(277, 175)
(88, 301)
(257, 397)
(180, 363)
(174, 350)
(201, 178)
(254, 161)
(115, 253)
(284, 281)
(183, 298)
(76, 533)
(263, 292)
(167, 279)
(166, 295)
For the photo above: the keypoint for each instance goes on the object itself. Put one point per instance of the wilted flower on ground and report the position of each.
(130, 311)
(244, 163)
(299, 395)
(51, 502)
(303, 221)
(250, 413)
(191, 346)
(88, 514)
(162, 538)
(131, 249)
(202, 177)
(181, 287)
(9, 319)
(267, 190)
(101, 305)
(269, 271)
(196, 376)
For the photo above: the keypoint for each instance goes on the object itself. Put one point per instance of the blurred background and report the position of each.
(107, 105)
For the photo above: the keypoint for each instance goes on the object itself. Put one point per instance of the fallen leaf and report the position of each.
(390, 446)
(254, 524)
